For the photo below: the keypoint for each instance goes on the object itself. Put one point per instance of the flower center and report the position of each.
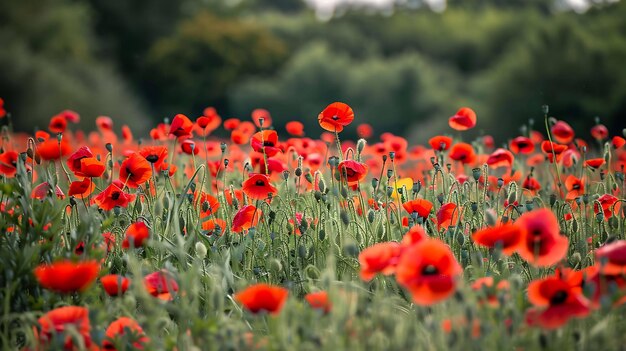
(558, 298)
(259, 183)
(430, 270)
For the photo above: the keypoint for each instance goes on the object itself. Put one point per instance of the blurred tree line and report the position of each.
(141, 61)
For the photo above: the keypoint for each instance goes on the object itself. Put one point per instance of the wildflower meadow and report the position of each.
(280, 238)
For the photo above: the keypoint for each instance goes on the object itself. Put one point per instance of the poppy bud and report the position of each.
(545, 109)
(417, 186)
(59, 137)
(374, 183)
(226, 162)
(529, 205)
(201, 250)
(322, 185)
(302, 251)
(392, 155)
(360, 145)
(322, 234)
(223, 147)
(308, 177)
(370, 216)
(109, 147)
(500, 182)
(351, 250)
(344, 192)
(389, 191)
(476, 173)
(298, 172)
(474, 206)
(344, 217)
(552, 199)
(384, 158)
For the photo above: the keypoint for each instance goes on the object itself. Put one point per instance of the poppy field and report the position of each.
(280, 238)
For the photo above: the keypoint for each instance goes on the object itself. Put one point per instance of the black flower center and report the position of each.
(558, 298)
(430, 270)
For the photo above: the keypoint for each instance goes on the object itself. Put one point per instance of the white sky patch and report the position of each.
(326, 8)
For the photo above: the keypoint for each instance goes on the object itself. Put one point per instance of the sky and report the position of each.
(325, 8)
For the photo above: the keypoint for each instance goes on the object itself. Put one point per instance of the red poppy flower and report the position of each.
(58, 124)
(262, 297)
(594, 163)
(114, 285)
(258, 187)
(421, 207)
(81, 188)
(90, 167)
(548, 147)
(500, 158)
(413, 236)
(8, 163)
(485, 286)
(189, 147)
(541, 243)
(319, 300)
(364, 131)
(447, 215)
(136, 234)
(562, 132)
(208, 203)
(612, 257)
(231, 123)
(522, 145)
(161, 284)
(379, 258)
(464, 119)
(232, 195)
(40, 192)
(52, 149)
(56, 322)
(213, 226)
(575, 187)
(73, 162)
(239, 137)
(181, 126)
(505, 236)
(124, 327)
(265, 141)
(335, 117)
(135, 170)
(66, 276)
(113, 196)
(261, 113)
(428, 270)
(246, 218)
(440, 142)
(618, 142)
(556, 301)
(295, 128)
(531, 184)
(599, 132)
(154, 154)
(353, 171)
(609, 206)
(463, 152)
(127, 134)
(104, 123)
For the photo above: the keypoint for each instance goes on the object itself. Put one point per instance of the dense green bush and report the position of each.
(385, 92)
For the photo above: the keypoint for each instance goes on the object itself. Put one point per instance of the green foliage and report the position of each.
(49, 65)
(576, 69)
(386, 92)
(196, 66)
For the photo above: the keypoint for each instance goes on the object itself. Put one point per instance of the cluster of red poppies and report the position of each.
(431, 190)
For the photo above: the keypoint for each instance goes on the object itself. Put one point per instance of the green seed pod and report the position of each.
(322, 234)
(345, 218)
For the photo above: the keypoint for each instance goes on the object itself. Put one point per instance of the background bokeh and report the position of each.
(404, 66)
